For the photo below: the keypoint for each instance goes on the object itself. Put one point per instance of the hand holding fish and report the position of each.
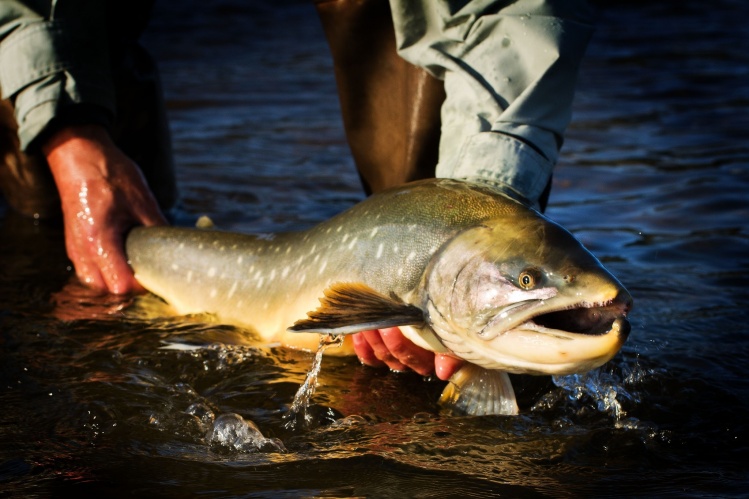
(390, 348)
(103, 194)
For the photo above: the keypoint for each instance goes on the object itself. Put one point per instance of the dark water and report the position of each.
(653, 179)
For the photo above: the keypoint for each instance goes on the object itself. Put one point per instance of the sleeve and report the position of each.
(55, 55)
(510, 70)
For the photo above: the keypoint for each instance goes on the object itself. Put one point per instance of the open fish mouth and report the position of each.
(541, 337)
(585, 319)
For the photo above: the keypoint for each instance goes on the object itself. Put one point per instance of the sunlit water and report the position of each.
(98, 399)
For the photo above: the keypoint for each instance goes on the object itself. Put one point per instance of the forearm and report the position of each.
(52, 57)
(509, 72)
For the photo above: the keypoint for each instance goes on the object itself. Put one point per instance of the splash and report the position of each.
(299, 411)
(232, 432)
(607, 389)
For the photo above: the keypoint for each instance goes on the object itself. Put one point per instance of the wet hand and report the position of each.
(103, 194)
(389, 348)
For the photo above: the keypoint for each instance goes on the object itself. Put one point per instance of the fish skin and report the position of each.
(454, 249)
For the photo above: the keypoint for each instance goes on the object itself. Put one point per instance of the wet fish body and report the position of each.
(461, 268)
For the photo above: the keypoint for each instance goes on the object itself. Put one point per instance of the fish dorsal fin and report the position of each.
(205, 222)
(352, 307)
(476, 391)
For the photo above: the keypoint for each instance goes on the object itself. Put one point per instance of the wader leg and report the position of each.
(391, 109)
(25, 180)
(141, 131)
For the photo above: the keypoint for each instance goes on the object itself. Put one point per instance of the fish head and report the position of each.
(521, 294)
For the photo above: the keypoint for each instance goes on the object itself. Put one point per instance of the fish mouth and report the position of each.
(586, 319)
(549, 337)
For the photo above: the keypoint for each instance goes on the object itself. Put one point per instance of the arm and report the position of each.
(510, 70)
(55, 70)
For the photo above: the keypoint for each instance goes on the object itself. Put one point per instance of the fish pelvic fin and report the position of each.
(476, 391)
(347, 308)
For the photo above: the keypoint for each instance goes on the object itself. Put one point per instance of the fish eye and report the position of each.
(529, 278)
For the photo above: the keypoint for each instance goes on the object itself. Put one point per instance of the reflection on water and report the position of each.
(100, 399)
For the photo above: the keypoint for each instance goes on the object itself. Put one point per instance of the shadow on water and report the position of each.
(101, 400)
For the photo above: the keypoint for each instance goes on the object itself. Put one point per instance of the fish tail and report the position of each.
(476, 391)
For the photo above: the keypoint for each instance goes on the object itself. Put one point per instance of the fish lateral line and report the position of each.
(347, 308)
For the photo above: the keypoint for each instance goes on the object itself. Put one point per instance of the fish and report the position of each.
(462, 268)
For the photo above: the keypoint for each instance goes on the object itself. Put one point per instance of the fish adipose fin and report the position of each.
(353, 307)
(476, 391)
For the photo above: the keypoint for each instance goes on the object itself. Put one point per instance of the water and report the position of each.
(97, 401)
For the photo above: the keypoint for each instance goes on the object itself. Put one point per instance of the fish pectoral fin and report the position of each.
(476, 391)
(353, 307)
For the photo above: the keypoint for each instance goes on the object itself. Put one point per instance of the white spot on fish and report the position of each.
(395, 248)
(181, 245)
(260, 282)
(340, 227)
(213, 293)
(273, 275)
(285, 272)
(400, 271)
(232, 289)
(379, 251)
(317, 257)
(353, 242)
(222, 248)
(200, 246)
(302, 279)
(239, 259)
(189, 276)
(175, 266)
(212, 272)
(411, 256)
(288, 249)
(374, 232)
(322, 267)
(345, 238)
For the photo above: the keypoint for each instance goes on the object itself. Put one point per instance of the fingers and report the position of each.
(97, 253)
(445, 366)
(112, 264)
(388, 347)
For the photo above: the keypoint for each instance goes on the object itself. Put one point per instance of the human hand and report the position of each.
(388, 347)
(103, 194)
